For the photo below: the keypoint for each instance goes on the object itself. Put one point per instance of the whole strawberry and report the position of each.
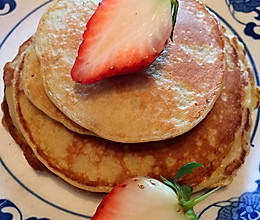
(144, 198)
(123, 37)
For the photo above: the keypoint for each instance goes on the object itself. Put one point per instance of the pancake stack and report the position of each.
(194, 103)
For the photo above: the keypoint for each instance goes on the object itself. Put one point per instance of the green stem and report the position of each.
(191, 203)
(174, 9)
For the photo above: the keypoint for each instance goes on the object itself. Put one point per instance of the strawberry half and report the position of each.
(140, 198)
(123, 37)
(145, 198)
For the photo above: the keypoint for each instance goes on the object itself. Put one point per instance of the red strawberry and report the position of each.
(122, 37)
(145, 198)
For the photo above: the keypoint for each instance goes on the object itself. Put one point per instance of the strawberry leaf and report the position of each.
(186, 169)
(191, 203)
(187, 191)
(174, 9)
(184, 192)
(169, 183)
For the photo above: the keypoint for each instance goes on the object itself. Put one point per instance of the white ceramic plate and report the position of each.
(30, 195)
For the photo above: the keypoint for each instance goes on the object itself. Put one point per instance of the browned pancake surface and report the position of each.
(8, 105)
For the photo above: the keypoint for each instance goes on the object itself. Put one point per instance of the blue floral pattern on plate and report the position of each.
(9, 214)
(4, 3)
(245, 207)
(249, 7)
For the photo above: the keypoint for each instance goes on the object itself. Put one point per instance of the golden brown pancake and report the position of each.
(34, 91)
(9, 120)
(220, 142)
(166, 100)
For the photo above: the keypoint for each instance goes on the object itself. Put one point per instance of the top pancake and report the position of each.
(167, 99)
(33, 88)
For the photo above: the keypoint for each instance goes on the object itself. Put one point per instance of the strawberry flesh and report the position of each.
(122, 37)
(140, 199)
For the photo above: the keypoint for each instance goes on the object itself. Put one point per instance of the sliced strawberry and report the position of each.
(122, 37)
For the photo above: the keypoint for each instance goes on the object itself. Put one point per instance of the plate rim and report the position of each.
(221, 18)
